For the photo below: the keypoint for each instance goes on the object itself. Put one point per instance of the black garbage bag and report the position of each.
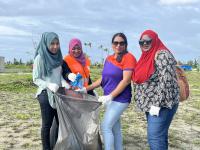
(78, 116)
(53, 133)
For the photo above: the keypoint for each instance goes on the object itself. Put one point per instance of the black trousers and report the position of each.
(48, 114)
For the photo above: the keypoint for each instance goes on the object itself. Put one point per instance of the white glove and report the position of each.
(105, 99)
(65, 84)
(83, 90)
(154, 111)
(53, 87)
(72, 77)
(96, 94)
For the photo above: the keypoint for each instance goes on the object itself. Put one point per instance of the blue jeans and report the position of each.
(157, 130)
(111, 127)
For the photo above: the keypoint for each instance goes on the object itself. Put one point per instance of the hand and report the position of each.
(65, 84)
(154, 111)
(72, 77)
(105, 99)
(53, 87)
(83, 90)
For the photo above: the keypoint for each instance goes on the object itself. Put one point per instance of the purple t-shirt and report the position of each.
(112, 74)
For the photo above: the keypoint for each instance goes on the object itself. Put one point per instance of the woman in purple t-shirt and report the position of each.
(116, 84)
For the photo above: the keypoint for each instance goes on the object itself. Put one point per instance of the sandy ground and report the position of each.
(20, 125)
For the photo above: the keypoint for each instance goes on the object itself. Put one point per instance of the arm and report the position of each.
(91, 92)
(123, 83)
(120, 87)
(94, 85)
(65, 71)
(37, 73)
(64, 83)
(165, 65)
(164, 62)
(38, 76)
(128, 67)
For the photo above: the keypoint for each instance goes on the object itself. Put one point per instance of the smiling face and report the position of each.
(76, 50)
(54, 46)
(118, 45)
(145, 43)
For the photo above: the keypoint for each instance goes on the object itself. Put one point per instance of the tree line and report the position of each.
(19, 62)
(194, 63)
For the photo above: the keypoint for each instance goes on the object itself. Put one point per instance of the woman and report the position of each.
(75, 63)
(116, 84)
(47, 75)
(157, 91)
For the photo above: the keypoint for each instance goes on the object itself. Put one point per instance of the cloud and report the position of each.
(9, 31)
(178, 2)
(195, 21)
(96, 21)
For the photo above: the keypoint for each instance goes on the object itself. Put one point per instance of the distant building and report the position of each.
(186, 67)
(2, 63)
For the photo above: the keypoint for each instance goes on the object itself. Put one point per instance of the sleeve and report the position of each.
(91, 92)
(65, 71)
(165, 66)
(129, 62)
(37, 73)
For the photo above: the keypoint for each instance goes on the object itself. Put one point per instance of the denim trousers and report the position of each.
(157, 129)
(111, 126)
(48, 114)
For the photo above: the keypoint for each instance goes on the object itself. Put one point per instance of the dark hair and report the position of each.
(122, 35)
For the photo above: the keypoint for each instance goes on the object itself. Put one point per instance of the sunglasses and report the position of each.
(147, 42)
(120, 43)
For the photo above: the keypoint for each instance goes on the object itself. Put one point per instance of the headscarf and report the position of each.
(81, 59)
(145, 66)
(50, 61)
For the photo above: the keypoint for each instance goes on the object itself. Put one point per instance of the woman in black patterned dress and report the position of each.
(156, 88)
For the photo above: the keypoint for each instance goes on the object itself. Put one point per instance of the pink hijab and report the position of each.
(81, 59)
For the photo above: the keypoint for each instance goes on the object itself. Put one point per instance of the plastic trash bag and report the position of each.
(78, 116)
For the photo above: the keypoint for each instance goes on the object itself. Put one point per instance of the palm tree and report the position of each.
(89, 44)
(101, 48)
(106, 50)
(34, 43)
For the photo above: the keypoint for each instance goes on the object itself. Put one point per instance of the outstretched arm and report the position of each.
(94, 85)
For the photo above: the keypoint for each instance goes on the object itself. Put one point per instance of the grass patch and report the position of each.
(17, 83)
(95, 73)
(196, 104)
(21, 119)
(12, 66)
(22, 116)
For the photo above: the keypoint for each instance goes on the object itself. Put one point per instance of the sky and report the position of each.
(22, 22)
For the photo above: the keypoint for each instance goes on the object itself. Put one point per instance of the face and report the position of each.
(54, 46)
(145, 43)
(118, 45)
(76, 50)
